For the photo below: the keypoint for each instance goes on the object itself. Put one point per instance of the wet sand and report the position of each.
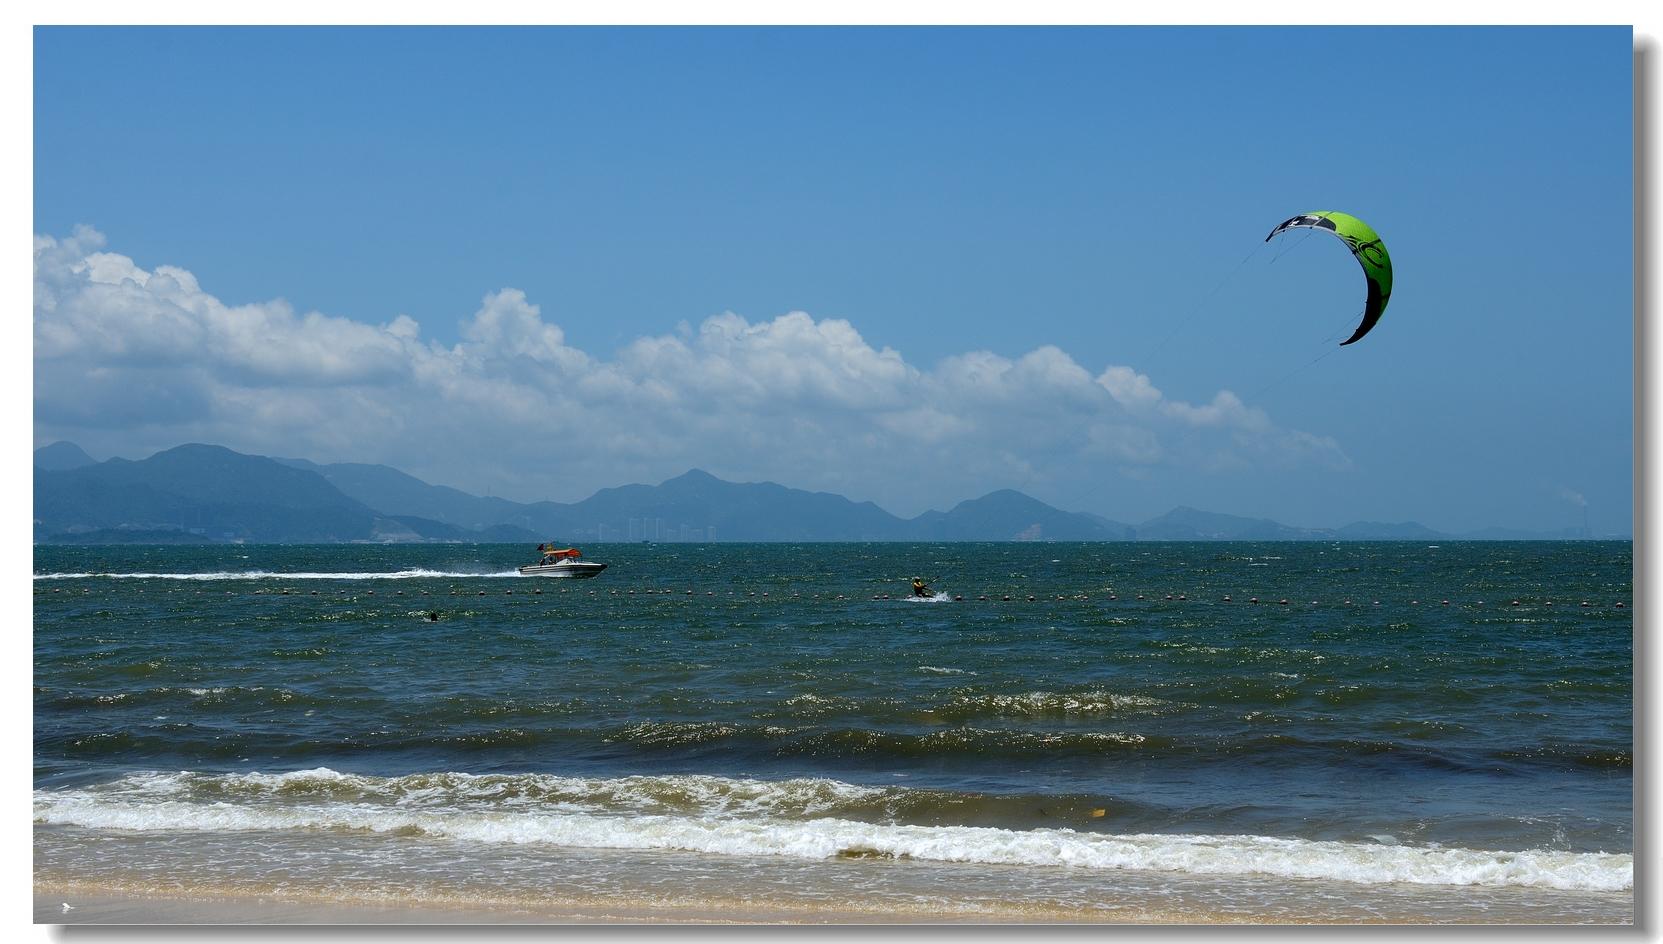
(95, 905)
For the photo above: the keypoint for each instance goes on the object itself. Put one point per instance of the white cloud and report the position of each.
(1129, 388)
(129, 360)
(100, 308)
(1225, 410)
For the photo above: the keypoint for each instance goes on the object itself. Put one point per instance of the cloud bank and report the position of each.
(128, 361)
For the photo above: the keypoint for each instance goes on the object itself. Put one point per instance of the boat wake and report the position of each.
(411, 574)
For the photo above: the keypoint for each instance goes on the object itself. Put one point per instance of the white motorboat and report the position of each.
(565, 562)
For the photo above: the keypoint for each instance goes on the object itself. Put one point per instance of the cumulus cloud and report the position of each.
(130, 360)
(100, 307)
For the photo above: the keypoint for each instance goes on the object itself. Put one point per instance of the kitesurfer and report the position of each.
(919, 588)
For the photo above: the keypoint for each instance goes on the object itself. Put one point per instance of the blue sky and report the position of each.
(535, 262)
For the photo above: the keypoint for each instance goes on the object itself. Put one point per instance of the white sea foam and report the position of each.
(412, 573)
(1038, 703)
(723, 816)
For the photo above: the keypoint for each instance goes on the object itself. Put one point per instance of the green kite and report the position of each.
(1371, 254)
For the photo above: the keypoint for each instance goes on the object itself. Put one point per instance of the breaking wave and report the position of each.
(808, 818)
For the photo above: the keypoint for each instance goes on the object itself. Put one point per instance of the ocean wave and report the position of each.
(471, 729)
(217, 695)
(409, 574)
(1048, 704)
(1599, 758)
(450, 791)
(735, 817)
(852, 742)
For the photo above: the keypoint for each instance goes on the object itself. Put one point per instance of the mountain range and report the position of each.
(206, 493)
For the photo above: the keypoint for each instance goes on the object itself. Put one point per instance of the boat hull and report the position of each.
(571, 569)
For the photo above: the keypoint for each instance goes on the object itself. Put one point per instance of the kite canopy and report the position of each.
(1371, 254)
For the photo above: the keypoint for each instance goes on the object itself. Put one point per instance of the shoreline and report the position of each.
(94, 904)
(110, 879)
(137, 903)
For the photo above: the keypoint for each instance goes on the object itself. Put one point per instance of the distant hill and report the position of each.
(200, 489)
(61, 456)
(392, 492)
(696, 504)
(1377, 531)
(751, 511)
(1007, 515)
(131, 536)
(1513, 534)
(1189, 524)
(214, 493)
(203, 492)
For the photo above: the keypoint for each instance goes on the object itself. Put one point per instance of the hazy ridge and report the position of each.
(198, 492)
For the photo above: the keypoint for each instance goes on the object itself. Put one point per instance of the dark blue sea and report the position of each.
(1288, 732)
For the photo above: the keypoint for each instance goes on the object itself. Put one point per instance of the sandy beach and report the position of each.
(93, 905)
(98, 905)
